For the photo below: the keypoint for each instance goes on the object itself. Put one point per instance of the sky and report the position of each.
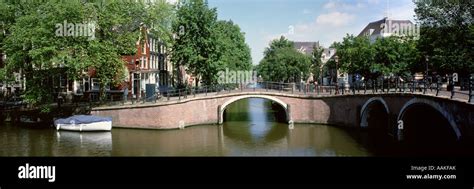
(325, 21)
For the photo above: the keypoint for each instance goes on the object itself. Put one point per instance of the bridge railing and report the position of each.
(376, 86)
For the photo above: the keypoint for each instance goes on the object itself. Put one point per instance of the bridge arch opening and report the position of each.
(426, 123)
(254, 121)
(275, 101)
(374, 117)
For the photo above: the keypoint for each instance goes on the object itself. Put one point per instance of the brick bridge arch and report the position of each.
(222, 108)
(365, 109)
(447, 115)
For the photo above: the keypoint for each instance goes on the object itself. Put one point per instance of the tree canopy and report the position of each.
(283, 63)
(316, 61)
(205, 45)
(392, 55)
(234, 52)
(31, 42)
(447, 35)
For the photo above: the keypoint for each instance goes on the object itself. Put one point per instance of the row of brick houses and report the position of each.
(149, 65)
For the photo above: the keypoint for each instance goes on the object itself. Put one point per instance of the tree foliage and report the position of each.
(447, 35)
(205, 45)
(316, 61)
(234, 52)
(386, 56)
(283, 63)
(356, 55)
(34, 48)
(396, 56)
(195, 45)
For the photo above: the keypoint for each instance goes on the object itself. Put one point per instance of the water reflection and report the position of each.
(46, 141)
(192, 141)
(251, 128)
(254, 121)
(90, 143)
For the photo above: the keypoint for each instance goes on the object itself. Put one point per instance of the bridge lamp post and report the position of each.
(336, 58)
(426, 73)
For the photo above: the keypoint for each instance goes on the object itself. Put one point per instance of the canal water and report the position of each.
(253, 127)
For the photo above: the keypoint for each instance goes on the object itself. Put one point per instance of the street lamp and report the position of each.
(426, 73)
(336, 58)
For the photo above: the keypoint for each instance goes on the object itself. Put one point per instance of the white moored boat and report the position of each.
(84, 123)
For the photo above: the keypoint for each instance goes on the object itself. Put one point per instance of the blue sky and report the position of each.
(325, 21)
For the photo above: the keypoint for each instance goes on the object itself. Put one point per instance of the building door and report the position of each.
(136, 85)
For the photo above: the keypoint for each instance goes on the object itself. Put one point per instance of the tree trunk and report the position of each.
(102, 92)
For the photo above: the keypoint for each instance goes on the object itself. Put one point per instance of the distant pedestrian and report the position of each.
(309, 82)
(60, 100)
(125, 92)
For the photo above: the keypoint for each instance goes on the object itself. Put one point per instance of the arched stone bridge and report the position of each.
(392, 112)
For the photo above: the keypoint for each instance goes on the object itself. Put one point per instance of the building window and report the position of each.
(70, 85)
(86, 84)
(136, 83)
(161, 62)
(62, 83)
(154, 62)
(163, 79)
(158, 46)
(371, 31)
(150, 44)
(80, 88)
(95, 84)
(145, 62)
(151, 61)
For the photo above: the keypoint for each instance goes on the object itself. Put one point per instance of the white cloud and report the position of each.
(373, 1)
(326, 29)
(330, 5)
(338, 19)
(341, 5)
(404, 12)
(335, 19)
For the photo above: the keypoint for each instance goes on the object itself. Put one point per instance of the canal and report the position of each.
(252, 127)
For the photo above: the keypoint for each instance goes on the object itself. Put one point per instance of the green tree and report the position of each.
(283, 63)
(195, 46)
(396, 55)
(317, 62)
(386, 56)
(446, 28)
(356, 55)
(234, 52)
(34, 48)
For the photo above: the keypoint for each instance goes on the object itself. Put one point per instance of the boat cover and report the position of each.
(82, 119)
